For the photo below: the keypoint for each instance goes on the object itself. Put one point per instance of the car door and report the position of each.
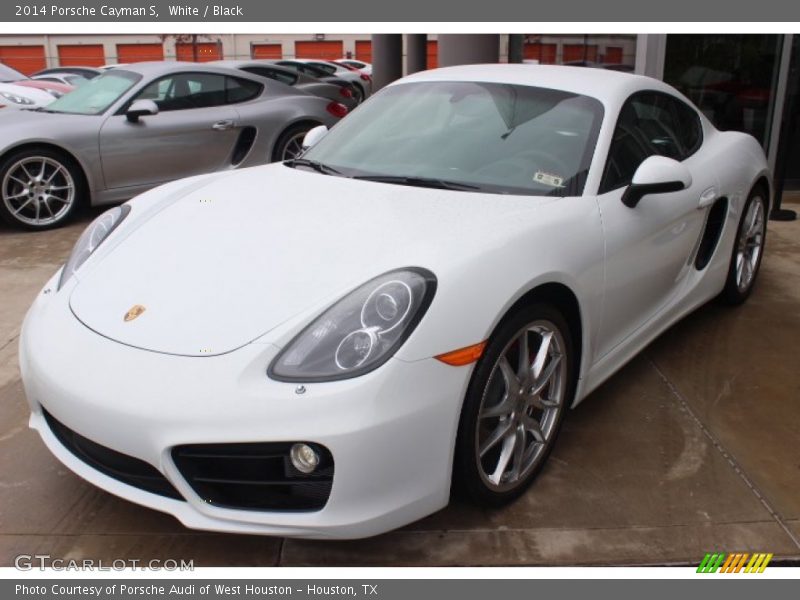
(194, 132)
(649, 248)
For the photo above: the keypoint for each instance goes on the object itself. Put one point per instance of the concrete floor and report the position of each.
(692, 448)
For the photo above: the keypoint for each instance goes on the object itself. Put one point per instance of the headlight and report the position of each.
(91, 238)
(360, 332)
(17, 99)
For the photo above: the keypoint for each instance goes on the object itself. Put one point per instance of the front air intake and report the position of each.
(121, 467)
(256, 476)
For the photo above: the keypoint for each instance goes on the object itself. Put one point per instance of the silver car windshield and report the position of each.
(96, 95)
(488, 137)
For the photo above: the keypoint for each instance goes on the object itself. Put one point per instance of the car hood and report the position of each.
(224, 263)
(40, 97)
(31, 126)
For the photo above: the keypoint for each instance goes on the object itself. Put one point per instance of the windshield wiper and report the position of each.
(429, 182)
(317, 166)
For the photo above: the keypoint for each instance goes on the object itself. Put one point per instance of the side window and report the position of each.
(691, 130)
(650, 123)
(240, 90)
(186, 90)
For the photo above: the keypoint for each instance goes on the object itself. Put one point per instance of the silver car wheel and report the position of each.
(38, 190)
(750, 243)
(294, 146)
(521, 406)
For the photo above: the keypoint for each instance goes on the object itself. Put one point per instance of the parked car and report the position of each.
(54, 88)
(359, 65)
(324, 348)
(362, 86)
(295, 79)
(87, 72)
(69, 79)
(15, 94)
(136, 127)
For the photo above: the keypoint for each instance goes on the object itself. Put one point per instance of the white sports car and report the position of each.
(322, 348)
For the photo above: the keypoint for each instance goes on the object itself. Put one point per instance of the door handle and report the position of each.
(222, 125)
(707, 198)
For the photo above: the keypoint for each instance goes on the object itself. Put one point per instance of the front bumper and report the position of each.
(391, 432)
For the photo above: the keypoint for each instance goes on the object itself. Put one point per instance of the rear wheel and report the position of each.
(747, 249)
(358, 93)
(39, 189)
(290, 142)
(514, 406)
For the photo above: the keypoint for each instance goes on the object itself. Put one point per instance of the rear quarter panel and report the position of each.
(272, 116)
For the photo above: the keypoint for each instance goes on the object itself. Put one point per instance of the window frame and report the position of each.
(135, 95)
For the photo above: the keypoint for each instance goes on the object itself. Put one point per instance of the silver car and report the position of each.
(135, 127)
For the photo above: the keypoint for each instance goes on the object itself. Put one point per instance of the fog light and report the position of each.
(304, 458)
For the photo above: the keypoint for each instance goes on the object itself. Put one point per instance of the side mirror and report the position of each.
(656, 175)
(314, 136)
(141, 108)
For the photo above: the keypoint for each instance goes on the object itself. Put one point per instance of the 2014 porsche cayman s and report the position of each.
(323, 347)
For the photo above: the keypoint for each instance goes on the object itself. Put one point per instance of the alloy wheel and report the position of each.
(521, 406)
(294, 146)
(750, 244)
(38, 191)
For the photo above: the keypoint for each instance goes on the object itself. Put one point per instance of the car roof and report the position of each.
(156, 68)
(70, 69)
(608, 86)
(253, 62)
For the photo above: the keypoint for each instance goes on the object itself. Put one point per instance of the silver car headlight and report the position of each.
(91, 238)
(360, 332)
(15, 99)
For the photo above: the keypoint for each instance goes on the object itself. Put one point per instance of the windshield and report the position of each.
(96, 95)
(491, 137)
(8, 75)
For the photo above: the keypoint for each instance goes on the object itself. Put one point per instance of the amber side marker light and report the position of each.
(462, 356)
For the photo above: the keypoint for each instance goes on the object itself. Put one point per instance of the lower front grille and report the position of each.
(257, 476)
(121, 467)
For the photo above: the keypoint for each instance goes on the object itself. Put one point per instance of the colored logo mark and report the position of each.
(742, 562)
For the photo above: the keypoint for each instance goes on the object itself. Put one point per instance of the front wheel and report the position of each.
(39, 189)
(514, 406)
(747, 250)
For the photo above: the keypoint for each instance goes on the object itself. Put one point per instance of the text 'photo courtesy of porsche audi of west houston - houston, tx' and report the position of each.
(330, 346)
(136, 126)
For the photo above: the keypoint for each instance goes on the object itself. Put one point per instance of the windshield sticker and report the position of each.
(548, 179)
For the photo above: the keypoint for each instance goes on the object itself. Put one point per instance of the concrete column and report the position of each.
(416, 52)
(650, 53)
(387, 59)
(516, 42)
(467, 49)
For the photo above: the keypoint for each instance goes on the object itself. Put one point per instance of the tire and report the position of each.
(290, 142)
(40, 189)
(486, 413)
(748, 250)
